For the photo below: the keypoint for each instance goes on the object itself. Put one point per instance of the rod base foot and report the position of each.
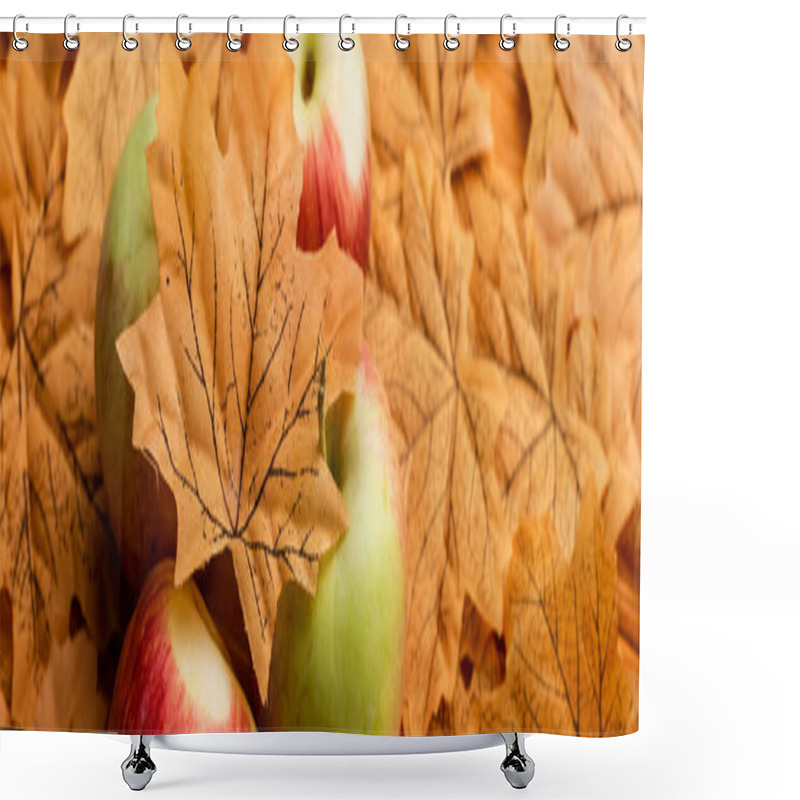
(517, 766)
(138, 768)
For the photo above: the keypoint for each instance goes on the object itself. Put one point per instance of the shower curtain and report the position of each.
(320, 385)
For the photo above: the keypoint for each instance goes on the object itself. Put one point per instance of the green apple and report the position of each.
(141, 507)
(337, 657)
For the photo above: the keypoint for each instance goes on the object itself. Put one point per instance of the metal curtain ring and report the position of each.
(233, 44)
(345, 42)
(289, 44)
(506, 42)
(182, 42)
(128, 42)
(451, 42)
(400, 42)
(70, 42)
(560, 43)
(623, 45)
(19, 44)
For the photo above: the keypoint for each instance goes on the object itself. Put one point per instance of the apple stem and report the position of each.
(321, 407)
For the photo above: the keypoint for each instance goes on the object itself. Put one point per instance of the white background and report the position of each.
(721, 435)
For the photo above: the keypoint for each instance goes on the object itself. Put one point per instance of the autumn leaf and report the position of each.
(565, 671)
(53, 532)
(584, 190)
(481, 671)
(527, 316)
(226, 363)
(447, 407)
(544, 450)
(429, 99)
(104, 96)
(69, 697)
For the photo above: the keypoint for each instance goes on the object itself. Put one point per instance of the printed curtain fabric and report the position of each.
(320, 383)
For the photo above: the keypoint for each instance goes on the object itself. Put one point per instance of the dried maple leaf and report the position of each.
(446, 404)
(565, 670)
(105, 95)
(589, 390)
(482, 671)
(544, 450)
(226, 362)
(499, 73)
(53, 533)
(583, 182)
(583, 191)
(428, 99)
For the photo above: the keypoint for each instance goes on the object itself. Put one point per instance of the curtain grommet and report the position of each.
(233, 44)
(71, 43)
(345, 42)
(129, 43)
(560, 43)
(183, 43)
(451, 42)
(506, 42)
(290, 44)
(19, 44)
(401, 43)
(623, 45)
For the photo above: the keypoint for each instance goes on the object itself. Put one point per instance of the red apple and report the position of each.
(174, 675)
(141, 507)
(337, 657)
(331, 115)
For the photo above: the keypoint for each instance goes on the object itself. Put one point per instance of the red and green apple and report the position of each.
(174, 675)
(331, 116)
(337, 657)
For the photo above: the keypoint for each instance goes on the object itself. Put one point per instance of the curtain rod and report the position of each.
(300, 24)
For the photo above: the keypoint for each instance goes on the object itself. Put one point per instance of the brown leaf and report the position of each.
(584, 189)
(565, 670)
(53, 534)
(226, 362)
(428, 99)
(104, 96)
(69, 697)
(500, 75)
(544, 450)
(482, 671)
(589, 394)
(447, 407)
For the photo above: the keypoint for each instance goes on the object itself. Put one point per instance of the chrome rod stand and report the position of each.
(138, 768)
(517, 766)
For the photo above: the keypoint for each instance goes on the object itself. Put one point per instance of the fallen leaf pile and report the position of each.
(506, 267)
(58, 574)
(502, 307)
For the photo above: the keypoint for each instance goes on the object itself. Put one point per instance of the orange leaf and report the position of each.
(565, 670)
(584, 190)
(447, 405)
(432, 101)
(55, 544)
(104, 96)
(226, 362)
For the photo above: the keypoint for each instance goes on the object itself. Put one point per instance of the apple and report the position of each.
(141, 507)
(337, 657)
(331, 116)
(174, 675)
